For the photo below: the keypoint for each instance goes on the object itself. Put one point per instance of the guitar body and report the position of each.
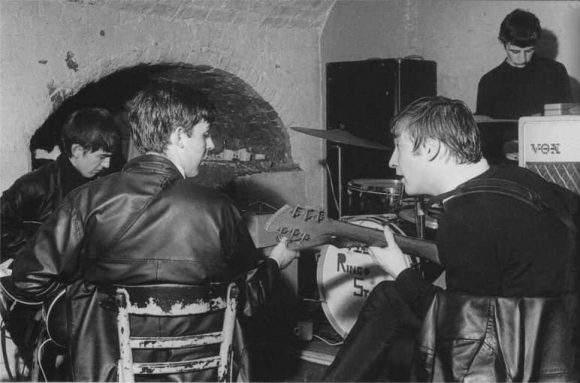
(54, 312)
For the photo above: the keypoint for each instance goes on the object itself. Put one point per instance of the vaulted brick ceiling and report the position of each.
(269, 13)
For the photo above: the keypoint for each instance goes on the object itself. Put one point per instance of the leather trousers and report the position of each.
(380, 345)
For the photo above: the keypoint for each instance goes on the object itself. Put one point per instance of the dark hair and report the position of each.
(520, 28)
(443, 119)
(92, 128)
(155, 112)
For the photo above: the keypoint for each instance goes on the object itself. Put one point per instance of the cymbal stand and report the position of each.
(420, 223)
(420, 215)
(339, 159)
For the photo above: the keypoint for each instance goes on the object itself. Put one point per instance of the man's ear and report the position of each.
(176, 137)
(77, 151)
(432, 148)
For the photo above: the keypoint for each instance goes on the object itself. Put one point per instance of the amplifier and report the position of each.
(550, 146)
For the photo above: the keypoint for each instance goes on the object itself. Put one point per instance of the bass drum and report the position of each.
(346, 276)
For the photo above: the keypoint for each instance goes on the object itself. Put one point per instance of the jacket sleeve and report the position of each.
(257, 286)
(256, 274)
(483, 98)
(17, 229)
(564, 86)
(51, 259)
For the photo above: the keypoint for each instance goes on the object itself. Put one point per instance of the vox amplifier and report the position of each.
(550, 146)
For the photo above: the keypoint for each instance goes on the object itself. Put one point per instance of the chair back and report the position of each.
(171, 300)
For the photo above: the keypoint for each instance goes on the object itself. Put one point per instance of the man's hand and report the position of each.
(282, 255)
(390, 258)
(5, 270)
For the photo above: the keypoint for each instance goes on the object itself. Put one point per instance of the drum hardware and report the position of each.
(409, 214)
(420, 214)
(420, 223)
(340, 136)
(374, 196)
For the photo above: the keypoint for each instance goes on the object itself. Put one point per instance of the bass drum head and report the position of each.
(345, 278)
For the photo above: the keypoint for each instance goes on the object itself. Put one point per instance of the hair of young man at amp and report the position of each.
(520, 28)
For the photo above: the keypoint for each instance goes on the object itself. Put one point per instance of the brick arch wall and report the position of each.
(244, 120)
(53, 49)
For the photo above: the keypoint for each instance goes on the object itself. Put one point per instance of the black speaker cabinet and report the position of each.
(362, 97)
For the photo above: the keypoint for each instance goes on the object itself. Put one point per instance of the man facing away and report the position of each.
(88, 139)
(151, 223)
(489, 244)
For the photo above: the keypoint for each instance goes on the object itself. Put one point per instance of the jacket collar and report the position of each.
(70, 177)
(153, 163)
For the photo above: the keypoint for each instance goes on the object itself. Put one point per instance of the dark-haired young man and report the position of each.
(88, 139)
(524, 82)
(151, 223)
(506, 237)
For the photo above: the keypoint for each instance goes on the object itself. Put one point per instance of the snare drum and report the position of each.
(374, 196)
(346, 276)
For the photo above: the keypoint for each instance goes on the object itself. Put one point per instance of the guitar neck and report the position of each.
(412, 246)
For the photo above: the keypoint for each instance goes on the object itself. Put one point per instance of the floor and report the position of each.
(12, 370)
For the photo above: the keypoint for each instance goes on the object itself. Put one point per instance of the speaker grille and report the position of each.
(566, 174)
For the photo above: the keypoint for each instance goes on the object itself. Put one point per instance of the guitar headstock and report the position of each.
(307, 227)
(302, 226)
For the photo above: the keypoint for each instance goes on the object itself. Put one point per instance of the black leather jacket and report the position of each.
(144, 225)
(31, 200)
(492, 339)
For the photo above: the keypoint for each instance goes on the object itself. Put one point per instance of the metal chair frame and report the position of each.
(156, 306)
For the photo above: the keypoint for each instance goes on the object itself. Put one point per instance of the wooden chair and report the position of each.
(176, 300)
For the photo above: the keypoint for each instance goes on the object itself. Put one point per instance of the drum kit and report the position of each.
(345, 276)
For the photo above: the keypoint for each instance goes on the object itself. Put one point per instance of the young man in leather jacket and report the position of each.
(151, 223)
(88, 139)
(508, 242)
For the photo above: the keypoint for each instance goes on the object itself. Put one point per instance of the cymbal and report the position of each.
(481, 119)
(341, 136)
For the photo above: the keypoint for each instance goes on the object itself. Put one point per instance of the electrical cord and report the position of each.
(327, 341)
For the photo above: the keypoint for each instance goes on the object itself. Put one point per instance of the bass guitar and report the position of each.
(53, 310)
(306, 227)
(53, 313)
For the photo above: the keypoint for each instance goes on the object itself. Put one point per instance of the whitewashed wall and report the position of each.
(461, 36)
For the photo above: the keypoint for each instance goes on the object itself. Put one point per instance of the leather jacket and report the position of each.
(492, 339)
(31, 200)
(144, 225)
